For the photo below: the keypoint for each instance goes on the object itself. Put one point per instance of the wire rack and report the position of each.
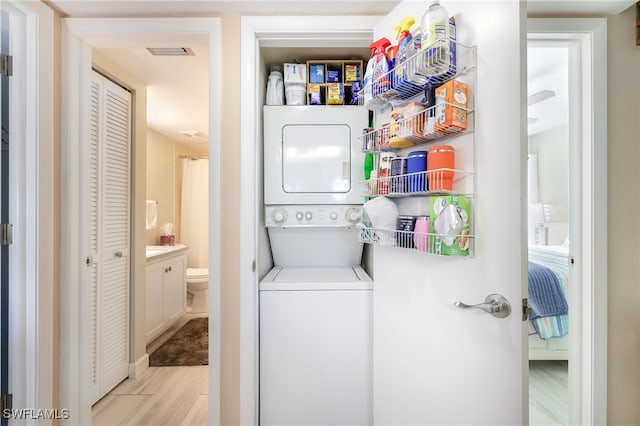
(419, 241)
(411, 77)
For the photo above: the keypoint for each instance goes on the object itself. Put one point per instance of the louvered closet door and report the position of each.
(91, 225)
(107, 183)
(114, 288)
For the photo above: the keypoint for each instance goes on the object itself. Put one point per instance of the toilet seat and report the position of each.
(197, 275)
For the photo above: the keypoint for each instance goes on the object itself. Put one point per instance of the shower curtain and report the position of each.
(194, 216)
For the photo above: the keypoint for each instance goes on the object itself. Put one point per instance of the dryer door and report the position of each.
(316, 158)
(312, 154)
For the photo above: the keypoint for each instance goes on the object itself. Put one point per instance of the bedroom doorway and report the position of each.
(548, 190)
(568, 332)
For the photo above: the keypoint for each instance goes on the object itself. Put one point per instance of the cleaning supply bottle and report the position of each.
(392, 55)
(404, 62)
(413, 69)
(435, 39)
(275, 86)
(376, 80)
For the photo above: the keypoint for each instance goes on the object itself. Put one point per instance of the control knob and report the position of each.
(353, 215)
(308, 215)
(279, 216)
(299, 215)
(333, 215)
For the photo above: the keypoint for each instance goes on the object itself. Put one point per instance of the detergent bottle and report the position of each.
(406, 62)
(275, 88)
(435, 39)
(376, 80)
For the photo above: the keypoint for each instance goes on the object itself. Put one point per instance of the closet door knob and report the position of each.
(118, 253)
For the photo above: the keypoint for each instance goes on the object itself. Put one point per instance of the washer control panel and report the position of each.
(312, 215)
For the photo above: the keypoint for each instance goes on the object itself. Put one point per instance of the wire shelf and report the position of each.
(419, 241)
(414, 128)
(430, 182)
(411, 77)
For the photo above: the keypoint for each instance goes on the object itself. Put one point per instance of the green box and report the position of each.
(450, 225)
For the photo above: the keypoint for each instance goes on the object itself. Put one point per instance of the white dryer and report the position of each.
(313, 154)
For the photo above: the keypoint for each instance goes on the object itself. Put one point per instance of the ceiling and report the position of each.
(548, 70)
(178, 86)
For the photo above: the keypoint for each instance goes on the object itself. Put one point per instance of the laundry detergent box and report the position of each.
(450, 225)
(452, 100)
(335, 94)
(295, 73)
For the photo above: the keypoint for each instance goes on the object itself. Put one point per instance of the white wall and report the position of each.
(552, 147)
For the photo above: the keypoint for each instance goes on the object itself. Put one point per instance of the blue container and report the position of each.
(417, 171)
(398, 179)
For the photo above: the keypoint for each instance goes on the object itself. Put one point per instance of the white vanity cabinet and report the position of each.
(166, 288)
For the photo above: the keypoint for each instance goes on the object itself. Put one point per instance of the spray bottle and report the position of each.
(376, 80)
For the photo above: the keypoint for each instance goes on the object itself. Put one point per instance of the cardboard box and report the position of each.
(352, 73)
(456, 240)
(316, 73)
(335, 94)
(295, 73)
(315, 96)
(452, 100)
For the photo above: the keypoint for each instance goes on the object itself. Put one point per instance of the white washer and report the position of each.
(315, 346)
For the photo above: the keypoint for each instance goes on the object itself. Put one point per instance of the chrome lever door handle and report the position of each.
(494, 304)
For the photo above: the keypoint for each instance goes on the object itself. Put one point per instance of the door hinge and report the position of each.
(6, 234)
(526, 310)
(6, 65)
(6, 402)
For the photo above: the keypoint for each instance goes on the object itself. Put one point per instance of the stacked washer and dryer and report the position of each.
(316, 302)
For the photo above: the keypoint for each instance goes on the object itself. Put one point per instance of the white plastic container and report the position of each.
(435, 39)
(296, 94)
(275, 87)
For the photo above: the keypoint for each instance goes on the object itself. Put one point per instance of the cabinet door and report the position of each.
(155, 297)
(174, 289)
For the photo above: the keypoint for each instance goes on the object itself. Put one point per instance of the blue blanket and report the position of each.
(546, 297)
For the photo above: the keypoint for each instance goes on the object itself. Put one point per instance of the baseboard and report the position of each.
(140, 366)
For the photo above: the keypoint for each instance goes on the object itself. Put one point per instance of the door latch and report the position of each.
(526, 309)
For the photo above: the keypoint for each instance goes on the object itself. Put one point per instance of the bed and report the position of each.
(548, 324)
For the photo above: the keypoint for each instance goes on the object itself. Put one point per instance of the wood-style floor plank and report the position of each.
(548, 393)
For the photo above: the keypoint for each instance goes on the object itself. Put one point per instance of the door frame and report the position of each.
(587, 41)
(79, 36)
(32, 207)
(270, 31)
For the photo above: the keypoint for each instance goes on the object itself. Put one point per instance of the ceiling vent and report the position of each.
(170, 51)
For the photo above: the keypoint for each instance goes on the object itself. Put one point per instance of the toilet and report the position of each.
(197, 290)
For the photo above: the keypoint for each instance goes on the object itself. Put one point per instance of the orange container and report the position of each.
(440, 164)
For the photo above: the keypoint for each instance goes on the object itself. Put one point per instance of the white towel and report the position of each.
(381, 213)
(152, 214)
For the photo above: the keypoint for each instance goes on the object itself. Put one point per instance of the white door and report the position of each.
(316, 158)
(435, 363)
(106, 238)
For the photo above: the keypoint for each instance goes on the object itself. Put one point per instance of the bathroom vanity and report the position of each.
(166, 287)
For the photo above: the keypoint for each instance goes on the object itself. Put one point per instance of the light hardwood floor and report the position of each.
(548, 393)
(179, 395)
(160, 396)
